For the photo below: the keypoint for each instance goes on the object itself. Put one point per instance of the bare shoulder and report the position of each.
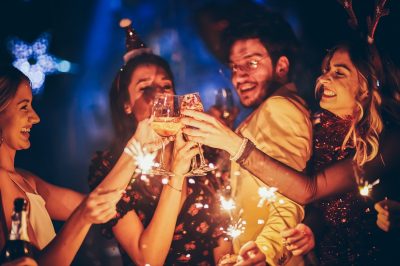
(5, 181)
(32, 179)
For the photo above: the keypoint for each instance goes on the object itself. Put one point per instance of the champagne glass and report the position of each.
(166, 123)
(225, 104)
(192, 101)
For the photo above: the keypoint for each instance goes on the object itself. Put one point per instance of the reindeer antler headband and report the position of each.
(379, 11)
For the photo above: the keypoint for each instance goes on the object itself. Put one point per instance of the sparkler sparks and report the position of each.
(143, 159)
(236, 229)
(266, 194)
(367, 188)
(237, 226)
(227, 205)
(269, 195)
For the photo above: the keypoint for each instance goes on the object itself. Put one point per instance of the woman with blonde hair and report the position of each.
(348, 131)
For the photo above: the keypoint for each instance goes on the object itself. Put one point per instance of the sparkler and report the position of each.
(266, 194)
(269, 195)
(144, 160)
(236, 229)
(367, 188)
(237, 226)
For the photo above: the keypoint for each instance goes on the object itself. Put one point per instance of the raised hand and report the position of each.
(299, 240)
(209, 131)
(99, 206)
(146, 136)
(388, 218)
(250, 254)
(182, 155)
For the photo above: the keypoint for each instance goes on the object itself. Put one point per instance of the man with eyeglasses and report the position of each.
(261, 59)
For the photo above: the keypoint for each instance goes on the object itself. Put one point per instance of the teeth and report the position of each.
(26, 130)
(329, 92)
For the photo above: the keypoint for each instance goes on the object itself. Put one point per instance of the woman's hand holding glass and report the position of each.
(192, 101)
(148, 138)
(183, 152)
(166, 123)
(207, 130)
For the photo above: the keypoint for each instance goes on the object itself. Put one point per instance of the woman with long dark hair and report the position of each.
(178, 223)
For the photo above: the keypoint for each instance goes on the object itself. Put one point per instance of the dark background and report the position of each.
(74, 106)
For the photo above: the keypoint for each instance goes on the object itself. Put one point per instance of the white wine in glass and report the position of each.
(192, 101)
(166, 123)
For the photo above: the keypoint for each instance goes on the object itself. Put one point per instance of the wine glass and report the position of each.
(166, 123)
(224, 103)
(192, 101)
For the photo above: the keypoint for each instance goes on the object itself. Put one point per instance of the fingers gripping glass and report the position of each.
(192, 101)
(166, 123)
(248, 66)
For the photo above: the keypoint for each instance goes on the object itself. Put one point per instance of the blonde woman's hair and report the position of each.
(367, 125)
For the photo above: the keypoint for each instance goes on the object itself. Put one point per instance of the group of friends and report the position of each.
(317, 161)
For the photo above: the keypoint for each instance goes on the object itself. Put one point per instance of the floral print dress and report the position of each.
(199, 225)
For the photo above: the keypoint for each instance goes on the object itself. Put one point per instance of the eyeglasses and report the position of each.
(248, 66)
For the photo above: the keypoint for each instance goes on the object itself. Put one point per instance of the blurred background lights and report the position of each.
(35, 62)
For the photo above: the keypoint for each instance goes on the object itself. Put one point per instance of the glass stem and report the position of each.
(162, 153)
(194, 163)
(202, 160)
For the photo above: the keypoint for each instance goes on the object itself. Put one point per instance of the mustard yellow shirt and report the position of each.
(281, 128)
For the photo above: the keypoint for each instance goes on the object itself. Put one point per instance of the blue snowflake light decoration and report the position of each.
(34, 61)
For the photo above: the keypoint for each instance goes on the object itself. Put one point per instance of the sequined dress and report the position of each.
(349, 223)
(199, 224)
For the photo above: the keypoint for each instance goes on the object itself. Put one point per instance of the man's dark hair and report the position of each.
(274, 33)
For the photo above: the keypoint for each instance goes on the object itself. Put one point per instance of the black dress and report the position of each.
(199, 224)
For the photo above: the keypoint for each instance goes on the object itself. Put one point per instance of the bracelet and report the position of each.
(179, 190)
(240, 151)
(246, 152)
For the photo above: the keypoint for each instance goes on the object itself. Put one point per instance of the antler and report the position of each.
(380, 11)
(348, 6)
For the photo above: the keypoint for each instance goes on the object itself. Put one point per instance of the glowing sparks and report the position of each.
(227, 205)
(236, 229)
(143, 159)
(266, 194)
(367, 188)
(145, 162)
(269, 195)
(211, 165)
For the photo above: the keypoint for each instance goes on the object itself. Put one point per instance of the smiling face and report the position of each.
(252, 71)
(17, 119)
(339, 84)
(146, 81)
